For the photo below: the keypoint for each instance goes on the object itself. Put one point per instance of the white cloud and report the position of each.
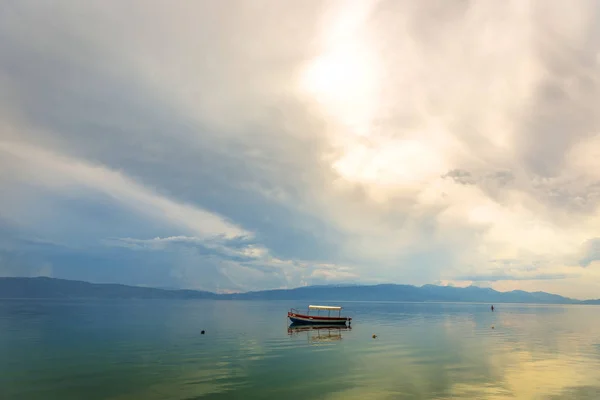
(45, 168)
(242, 262)
(415, 141)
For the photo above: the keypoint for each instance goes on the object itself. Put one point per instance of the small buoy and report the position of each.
(374, 336)
(202, 332)
(492, 326)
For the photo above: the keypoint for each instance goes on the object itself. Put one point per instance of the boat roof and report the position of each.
(324, 308)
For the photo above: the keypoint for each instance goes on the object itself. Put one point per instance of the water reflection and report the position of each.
(154, 350)
(319, 333)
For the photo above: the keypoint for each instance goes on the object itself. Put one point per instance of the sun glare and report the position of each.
(344, 78)
(344, 83)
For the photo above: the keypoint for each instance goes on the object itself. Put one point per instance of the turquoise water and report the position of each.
(152, 349)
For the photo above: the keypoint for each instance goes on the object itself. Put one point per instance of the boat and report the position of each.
(298, 318)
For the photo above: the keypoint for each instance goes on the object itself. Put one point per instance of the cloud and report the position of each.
(506, 277)
(281, 145)
(55, 172)
(460, 176)
(237, 260)
(590, 252)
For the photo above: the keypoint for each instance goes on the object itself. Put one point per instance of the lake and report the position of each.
(153, 349)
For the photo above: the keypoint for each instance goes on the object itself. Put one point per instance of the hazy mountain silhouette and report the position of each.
(64, 289)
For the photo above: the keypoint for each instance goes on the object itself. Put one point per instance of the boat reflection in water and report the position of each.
(319, 333)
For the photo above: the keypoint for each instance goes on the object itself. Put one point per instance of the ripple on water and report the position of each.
(423, 351)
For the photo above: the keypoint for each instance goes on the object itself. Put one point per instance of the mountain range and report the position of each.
(52, 288)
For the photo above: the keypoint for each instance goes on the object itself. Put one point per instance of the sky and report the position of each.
(245, 145)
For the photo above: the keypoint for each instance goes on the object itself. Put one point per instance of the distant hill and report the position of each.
(67, 289)
(591, 302)
(391, 292)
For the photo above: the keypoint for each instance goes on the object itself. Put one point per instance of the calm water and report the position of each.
(153, 350)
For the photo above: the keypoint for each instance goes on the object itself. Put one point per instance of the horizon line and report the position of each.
(296, 288)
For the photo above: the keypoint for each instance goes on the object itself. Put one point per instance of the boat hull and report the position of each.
(301, 319)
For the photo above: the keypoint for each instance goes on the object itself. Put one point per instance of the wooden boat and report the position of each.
(316, 318)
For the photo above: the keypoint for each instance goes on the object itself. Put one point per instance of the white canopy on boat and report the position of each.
(324, 308)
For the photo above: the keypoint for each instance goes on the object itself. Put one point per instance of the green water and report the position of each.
(149, 349)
